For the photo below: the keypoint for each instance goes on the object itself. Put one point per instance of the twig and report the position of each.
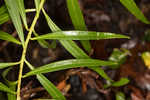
(25, 49)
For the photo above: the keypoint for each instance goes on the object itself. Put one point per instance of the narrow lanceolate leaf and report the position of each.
(4, 65)
(51, 89)
(11, 84)
(80, 35)
(21, 8)
(132, 7)
(72, 48)
(4, 16)
(76, 15)
(121, 82)
(78, 20)
(50, 23)
(15, 16)
(120, 96)
(119, 57)
(8, 37)
(69, 45)
(7, 82)
(102, 73)
(52, 26)
(4, 88)
(66, 64)
(3, 9)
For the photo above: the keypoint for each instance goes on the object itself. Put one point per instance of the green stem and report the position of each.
(29, 65)
(30, 10)
(25, 50)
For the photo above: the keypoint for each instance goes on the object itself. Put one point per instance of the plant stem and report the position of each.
(29, 65)
(30, 10)
(25, 50)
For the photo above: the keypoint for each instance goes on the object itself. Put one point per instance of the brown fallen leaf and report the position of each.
(136, 93)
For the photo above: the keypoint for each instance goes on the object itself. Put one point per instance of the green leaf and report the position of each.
(4, 88)
(15, 16)
(8, 37)
(3, 9)
(11, 84)
(120, 96)
(4, 65)
(52, 26)
(132, 7)
(50, 23)
(12, 96)
(76, 15)
(51, 89)
(72, 48)
(80, 35)
(21, 8)
(7, 82)
(69, 45)
(102, 73)
(4, 16)
(119, 57)
(42, 42)
(78, 20)
(121, 82)
(66, 64)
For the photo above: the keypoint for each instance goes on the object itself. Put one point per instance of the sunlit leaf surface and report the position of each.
(80, 35)
(66, 64)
